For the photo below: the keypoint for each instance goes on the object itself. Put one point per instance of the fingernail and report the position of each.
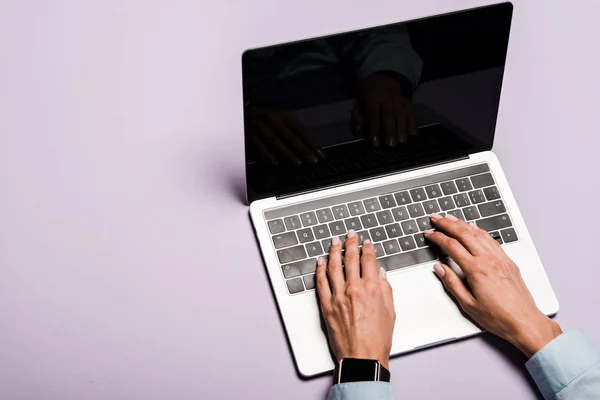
(451, 217)
(335, 241)
(320, 261)
(439, 270)
(383, 273)
(391, 143)
(351, 233)
(367, 241)
(314, 160)
(435, 216)
(375, 140)
(428, 231)
(473, 224)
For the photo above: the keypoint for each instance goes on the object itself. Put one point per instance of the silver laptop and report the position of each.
(373, 130)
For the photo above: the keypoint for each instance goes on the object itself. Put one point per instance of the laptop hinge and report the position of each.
(298, 193)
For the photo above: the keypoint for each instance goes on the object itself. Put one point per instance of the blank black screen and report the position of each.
(359, 104)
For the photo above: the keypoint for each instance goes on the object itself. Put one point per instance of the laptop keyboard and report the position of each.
(392, 216)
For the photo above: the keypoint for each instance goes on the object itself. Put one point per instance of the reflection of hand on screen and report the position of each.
(382, 113)
(277, 136)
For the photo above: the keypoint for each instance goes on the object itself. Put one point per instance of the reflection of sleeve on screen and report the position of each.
(306, 57)
(387, 49)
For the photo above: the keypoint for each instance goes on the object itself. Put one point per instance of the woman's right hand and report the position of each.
(498, 299)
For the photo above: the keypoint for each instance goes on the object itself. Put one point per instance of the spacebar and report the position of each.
(406, 259)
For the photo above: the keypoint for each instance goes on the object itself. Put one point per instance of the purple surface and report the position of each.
(128, 266)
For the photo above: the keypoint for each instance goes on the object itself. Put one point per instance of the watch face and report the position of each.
(355, 370)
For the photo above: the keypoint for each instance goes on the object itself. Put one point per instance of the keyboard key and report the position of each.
(492, 208)
(418, 194)
(433, 191)
(337, 228)
(362, 236)
(305, 235)
(321, 231)
(491, 193)
(496, 236)
(276, 226)
(340, 212)
(378, 234)
(391, 247)
(477, 196)
(353, 223)
(471, 213)
(461, 200)
(424, 223)
(464, 184)
(393, 230)
(295, 285)
(314, 249)
(449, 188)
(407, 243)
(408, 259)
(385, 217)
(420, 240)
(292, 222)
(299, 268)
(402, 198)
(324, 215)
(457, 213)
(387, 201)
(372, 205)
(379, 250)
(410, 227)
(291, 254)
(308, 219)
(482, 180)
(284, 240)
(446, 203)
(416, 210)
(356, 208)
(431, 206)
(509, 235)
(369, 221)
(494, 223)
(326, 244)
(400, 213)
(310, 281)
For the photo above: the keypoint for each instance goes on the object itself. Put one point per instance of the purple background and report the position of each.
(128, 265)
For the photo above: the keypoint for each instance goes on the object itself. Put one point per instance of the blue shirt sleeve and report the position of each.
(361, 391)
(567, 368)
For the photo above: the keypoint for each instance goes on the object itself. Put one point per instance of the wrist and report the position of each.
(533, 337)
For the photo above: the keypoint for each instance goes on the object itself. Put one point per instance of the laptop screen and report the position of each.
(356, 105)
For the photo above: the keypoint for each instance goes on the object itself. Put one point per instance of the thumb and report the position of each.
(454, 285)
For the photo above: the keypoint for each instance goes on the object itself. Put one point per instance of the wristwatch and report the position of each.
(360, 370)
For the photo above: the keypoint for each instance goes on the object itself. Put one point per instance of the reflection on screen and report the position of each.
(355, 105)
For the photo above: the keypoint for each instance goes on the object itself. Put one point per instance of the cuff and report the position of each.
(562, 361)
(361, 391)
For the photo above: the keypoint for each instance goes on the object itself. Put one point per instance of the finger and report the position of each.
(455, 286)
(334, 267)
(389, 128)
(263, 151)
(358, 120)
(373, 118)
(295, 143)
(411, 124)
(305, 135)
(278, 147)
(452, 247)
(351, 257)
(459, 230)
(388, 292)
(368, 262)
(401, 128)
(322, 282)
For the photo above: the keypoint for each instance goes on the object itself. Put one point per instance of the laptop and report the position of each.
(374, 130)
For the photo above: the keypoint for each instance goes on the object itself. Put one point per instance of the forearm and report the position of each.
(567, 368)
